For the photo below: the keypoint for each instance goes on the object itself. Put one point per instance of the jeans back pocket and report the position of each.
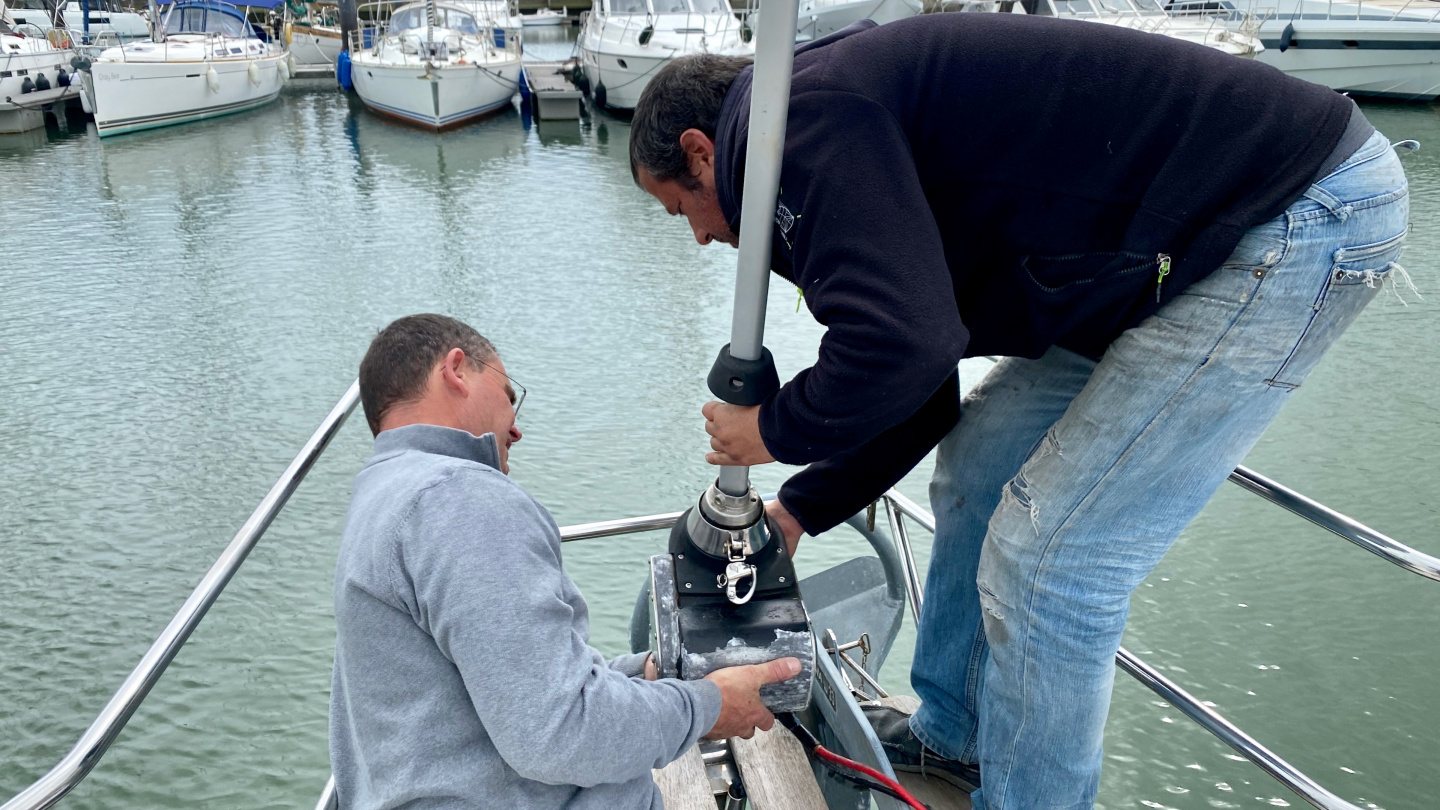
(1356, 275)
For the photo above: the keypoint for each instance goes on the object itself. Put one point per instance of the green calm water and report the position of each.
(180, 308)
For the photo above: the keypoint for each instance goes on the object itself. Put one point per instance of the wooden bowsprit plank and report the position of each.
(934, 792)
(683, 783)
(776, 772)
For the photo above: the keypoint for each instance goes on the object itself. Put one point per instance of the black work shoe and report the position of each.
(908, 755)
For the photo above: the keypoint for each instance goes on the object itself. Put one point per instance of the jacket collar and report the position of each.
(439, 441)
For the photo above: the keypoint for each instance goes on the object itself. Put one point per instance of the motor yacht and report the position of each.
(1367, 49)
(34, 74)
(104, 15)
(1210, 30)
(624, 42)
(502, 14)
(820, 18)
(204, 60)
(544, 17)
(463, 71)
(22, 15)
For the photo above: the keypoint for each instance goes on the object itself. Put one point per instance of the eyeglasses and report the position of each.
(517, 394)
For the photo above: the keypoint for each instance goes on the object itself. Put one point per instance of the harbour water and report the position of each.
(178, 310)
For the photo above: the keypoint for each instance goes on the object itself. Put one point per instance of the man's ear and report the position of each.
(454, 372)
(699, 151)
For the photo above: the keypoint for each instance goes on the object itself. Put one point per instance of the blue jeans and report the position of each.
(1066, 481)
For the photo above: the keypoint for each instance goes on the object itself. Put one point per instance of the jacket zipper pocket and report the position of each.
(1142, 267)
(1162, 259)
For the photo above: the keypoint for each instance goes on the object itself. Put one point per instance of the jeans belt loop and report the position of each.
(1331, 203)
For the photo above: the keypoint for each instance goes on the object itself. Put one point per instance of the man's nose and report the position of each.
(515, 434)
(702, 235)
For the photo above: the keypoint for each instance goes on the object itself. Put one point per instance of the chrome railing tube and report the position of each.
(911, 509)
(1245, 745)
(907, 558)
(1318, 513)
(1326, 518)
(97, 738)
(328, 799)
(608, 528)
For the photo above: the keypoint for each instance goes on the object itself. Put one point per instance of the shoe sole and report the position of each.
(939, 773)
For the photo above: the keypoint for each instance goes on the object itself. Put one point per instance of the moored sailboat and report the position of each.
(463, 73)
(203, 60)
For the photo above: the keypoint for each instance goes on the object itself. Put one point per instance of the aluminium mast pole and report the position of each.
(769, 104)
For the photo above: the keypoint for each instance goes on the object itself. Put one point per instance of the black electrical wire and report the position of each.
(843, 767)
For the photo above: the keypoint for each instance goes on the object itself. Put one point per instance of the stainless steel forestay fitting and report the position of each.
(736, 571)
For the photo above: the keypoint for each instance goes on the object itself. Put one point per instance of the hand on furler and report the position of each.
(734, 435)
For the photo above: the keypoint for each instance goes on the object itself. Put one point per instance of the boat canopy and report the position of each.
(412, 17)
(207, 17)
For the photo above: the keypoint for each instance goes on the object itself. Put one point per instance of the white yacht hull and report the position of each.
(125, 24)
(540, 19)
(618, 64)
(21, 111)
(820, 18)
(314, 47)
(622, 85)
(132, 96)
(448, 96)
(1390, 64)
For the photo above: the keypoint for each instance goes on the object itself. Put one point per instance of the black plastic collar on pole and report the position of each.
(743, 382)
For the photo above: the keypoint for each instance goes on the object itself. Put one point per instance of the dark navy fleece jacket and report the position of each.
(993, 184)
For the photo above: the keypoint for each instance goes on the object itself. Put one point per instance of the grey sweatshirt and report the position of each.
(463, 677)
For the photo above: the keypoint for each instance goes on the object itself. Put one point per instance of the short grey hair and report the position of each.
(398, 363)
(685, 94)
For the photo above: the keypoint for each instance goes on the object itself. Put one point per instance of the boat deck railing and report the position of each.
(1416, 11)
(636, 27)
(101, 734)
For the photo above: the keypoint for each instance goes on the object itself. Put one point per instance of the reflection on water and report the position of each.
(181, 307)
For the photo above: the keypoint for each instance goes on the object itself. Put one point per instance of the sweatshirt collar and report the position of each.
(732, 131)
(439, 441)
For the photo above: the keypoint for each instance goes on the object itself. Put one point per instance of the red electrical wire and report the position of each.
(903, 794)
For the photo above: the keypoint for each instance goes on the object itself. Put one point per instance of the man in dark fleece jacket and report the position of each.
(1159, 240)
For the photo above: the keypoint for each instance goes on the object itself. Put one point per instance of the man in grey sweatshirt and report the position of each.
(463, 677)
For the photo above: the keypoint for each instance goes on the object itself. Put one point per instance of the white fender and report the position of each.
(284, 67)
(254, 71)
(212, 79)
